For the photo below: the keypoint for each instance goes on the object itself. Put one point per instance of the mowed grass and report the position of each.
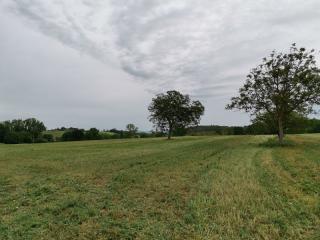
(188, 188)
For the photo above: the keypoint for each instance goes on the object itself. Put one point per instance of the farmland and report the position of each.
(227, 187)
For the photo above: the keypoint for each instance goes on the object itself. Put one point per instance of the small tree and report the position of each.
(132, 129)
(92, 134)
(284, 83)
(34, 127)
(173, 110)
(73, 134)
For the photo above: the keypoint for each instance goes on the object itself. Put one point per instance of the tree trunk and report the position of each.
(280, 130)
(169, 133)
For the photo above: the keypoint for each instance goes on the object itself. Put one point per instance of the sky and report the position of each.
(98, 63)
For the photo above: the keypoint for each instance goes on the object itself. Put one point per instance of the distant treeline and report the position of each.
(34, 131)
(76, 134)
(296, 126)
(23, 131)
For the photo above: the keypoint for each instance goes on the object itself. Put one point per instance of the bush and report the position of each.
(25, 137)
(106, 135)
(116, 136)
(73, 135)
(158, 134)
(146, 135)
(17, 137)
(11, 138)
(92, 134)
(48, 137)
(180, 132)
(40, 140)
(3, 131)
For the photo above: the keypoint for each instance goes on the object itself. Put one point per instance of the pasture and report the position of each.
(229, 187)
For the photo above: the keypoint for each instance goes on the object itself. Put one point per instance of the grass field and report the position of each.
(189, 188)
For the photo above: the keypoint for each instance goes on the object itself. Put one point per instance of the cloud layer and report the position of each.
(87, 63)
(202, 47)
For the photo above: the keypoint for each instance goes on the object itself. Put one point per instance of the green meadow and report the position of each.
(226, 187)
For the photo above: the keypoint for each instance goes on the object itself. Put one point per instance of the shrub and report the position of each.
(158, 134)
(146, 134)
(48, 137)
(106, 135)
(92, 134)
(73, 135)
(116, 136)
(40, 140)
(25, 137)
(11, 138)
(17, 137)
(3, 131)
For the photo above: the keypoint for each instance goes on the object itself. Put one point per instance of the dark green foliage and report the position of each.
(34, 127)
(158, 134)
(238, 131)
(106, 135)
(284, 84)
(40, 140)
(92, 134)
(116, 136)
(3, 131)
(181, 131)
(48, 137)
(297, 124)
(73, 135)
(144, 135)
(26, 137)
(12, 138)
(173, 110)
(17, 125)
(21, 131)
(131, 130)
(215, 130)
(119, 133)
(17, 137)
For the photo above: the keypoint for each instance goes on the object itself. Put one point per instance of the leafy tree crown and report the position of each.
(282, 84)
(174, 110)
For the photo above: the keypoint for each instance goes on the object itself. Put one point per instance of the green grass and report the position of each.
(230, 187)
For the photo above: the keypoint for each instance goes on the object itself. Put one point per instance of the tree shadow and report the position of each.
(274, 143)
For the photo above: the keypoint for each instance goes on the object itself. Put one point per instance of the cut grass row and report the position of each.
(189, 188)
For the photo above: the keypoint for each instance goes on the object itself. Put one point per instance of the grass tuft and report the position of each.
(274, 142)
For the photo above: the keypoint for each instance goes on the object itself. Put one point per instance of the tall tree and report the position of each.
(34, 127)
(174, 110)
(284, 83)
(18, 125)
(132, 129)
(92, 134)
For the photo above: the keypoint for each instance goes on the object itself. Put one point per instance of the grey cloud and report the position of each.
(185, 44)
(56, 21)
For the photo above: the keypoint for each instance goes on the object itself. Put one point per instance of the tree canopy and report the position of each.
(285, 83)
(21, 131)
(132, 130)
(174, 110)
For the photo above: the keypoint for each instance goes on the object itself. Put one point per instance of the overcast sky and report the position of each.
(98, 63)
